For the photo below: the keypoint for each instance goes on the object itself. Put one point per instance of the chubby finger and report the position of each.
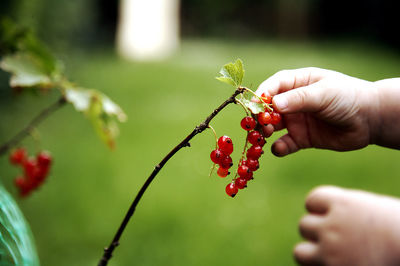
(285, 80)
(307, 253)
(320, 198)
(309, 226)
(311, 98)
(284, 145)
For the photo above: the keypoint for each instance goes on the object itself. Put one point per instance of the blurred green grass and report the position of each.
(185, 218)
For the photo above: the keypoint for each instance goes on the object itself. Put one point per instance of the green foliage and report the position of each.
(254, 106)
(31, 65)
(232, 73)
(99, 109)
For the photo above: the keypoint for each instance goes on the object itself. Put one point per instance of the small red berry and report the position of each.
(44, 159)
(241, 182)
(264, 118)
(23, 186)
(243, 170)
(255, 137)
(18, 156)
(249, 176)
(276, 118)
(262, 142)
(254, 152)
(248, 123)
(226, 162)
(266, 98)
(30, 167)
(223, 172)
(252, 164)
(225, 145)
(216, 156)
(231, 189)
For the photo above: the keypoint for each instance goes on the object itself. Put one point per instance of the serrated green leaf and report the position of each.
(232, 73)
(254, 106)
(26, 71)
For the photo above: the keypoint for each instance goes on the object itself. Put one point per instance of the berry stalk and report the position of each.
(184, 143)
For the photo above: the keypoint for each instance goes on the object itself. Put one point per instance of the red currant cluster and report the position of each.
(221, 155)
(249, 161)
(35, 169)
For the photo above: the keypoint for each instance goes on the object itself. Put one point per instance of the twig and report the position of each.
(31, 126)
(200, 128)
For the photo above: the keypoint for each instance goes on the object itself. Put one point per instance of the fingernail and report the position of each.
(280, 102)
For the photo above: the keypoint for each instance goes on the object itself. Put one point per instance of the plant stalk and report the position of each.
(184, 143)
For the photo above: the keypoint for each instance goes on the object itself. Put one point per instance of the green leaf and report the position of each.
(26, 71)
(99, 109)
(248, 100)
(232, 73)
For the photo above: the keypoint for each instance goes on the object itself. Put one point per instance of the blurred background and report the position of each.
(158, 60)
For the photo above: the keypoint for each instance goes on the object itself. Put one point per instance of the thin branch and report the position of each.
(31, 126)
(184, 143)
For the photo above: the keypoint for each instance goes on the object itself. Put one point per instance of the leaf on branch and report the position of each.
(253, 105)
(100, 110)
(232, 73)
(26, 71)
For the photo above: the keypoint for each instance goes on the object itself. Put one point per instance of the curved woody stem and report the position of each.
(31, 126)
(184, 143)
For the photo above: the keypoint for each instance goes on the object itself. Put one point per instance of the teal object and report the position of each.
(16, 242)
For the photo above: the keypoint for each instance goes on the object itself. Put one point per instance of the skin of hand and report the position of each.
(349, 227)
(322, 109)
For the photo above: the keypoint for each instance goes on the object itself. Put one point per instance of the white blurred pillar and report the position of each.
(148, 29)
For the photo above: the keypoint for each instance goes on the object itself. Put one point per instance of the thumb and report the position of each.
(303, 99)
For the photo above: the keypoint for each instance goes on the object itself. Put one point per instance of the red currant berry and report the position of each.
(264, 118)
(243, 170)
(248, 123)
(30, 167)
(253, 164)
(266, 98)
(44, 159)
(231, 189)
(276, 118)
(216, 156)
(241, 182)
(223, 172)
(249, 176)
(254, 152)
(226, 162)
(225, 145)
(262, 142)
(18, 156)
(255, 137)
(23, 186)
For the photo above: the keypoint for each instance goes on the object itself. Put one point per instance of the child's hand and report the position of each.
(322, 109)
